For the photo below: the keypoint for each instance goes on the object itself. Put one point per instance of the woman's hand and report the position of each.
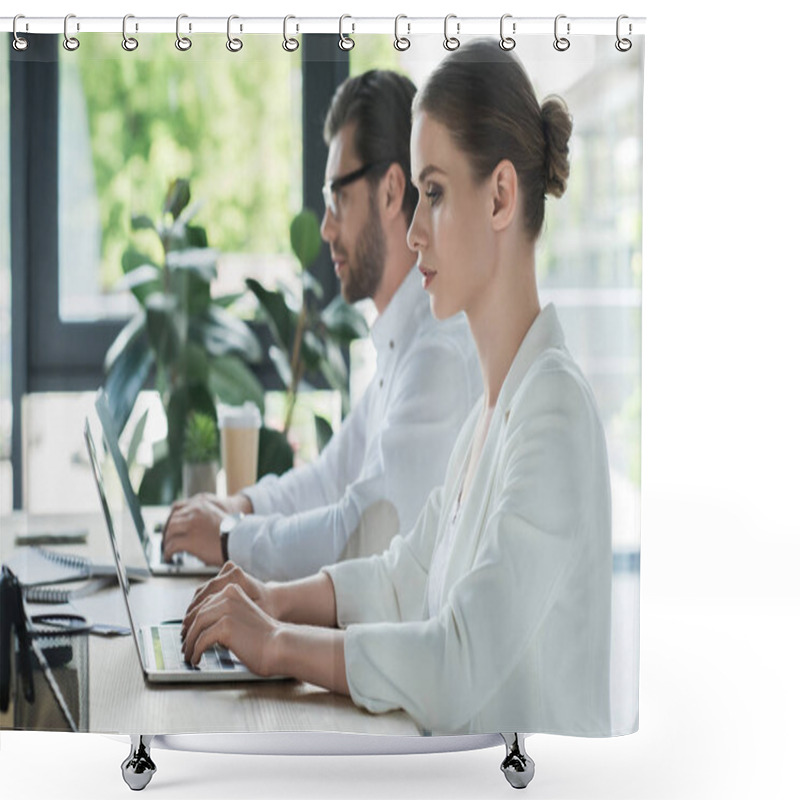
(231, 575)
(231, 618)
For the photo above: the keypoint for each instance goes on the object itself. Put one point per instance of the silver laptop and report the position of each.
(159, 646)
(182, 563)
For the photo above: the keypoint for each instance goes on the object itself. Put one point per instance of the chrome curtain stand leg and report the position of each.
(517, 766)
(138, 768)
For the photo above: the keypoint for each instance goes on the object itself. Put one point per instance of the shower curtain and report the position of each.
(112, 151)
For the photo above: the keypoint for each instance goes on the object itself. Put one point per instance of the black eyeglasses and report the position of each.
(331, 188)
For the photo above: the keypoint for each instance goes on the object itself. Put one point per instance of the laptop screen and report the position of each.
(121, 574)
(112, 442)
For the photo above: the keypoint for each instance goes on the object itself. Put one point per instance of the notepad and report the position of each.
(39, 566)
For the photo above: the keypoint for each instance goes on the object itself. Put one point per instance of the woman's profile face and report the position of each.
(451, 230)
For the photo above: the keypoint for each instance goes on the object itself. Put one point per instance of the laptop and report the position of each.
(159, 646)
(182, 563)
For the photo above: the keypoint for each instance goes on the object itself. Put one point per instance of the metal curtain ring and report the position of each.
(401, 43)
(561, 43)
(623, 45)
(506, 42)
(19, 43)
(128, 42)
(70, 42)
(290, 44)
(234, 45)
(345, 42)
(183, 43)
(451, 42)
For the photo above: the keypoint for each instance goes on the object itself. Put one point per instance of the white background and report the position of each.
(721, 446)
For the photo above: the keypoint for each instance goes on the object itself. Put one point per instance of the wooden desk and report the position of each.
(121, 701)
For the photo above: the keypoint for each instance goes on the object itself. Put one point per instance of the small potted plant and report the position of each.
(200, 454)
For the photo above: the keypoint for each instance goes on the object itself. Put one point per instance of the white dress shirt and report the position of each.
(521, 638)
(374, 476)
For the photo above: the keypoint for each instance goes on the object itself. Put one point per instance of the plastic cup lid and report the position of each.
(245, 416)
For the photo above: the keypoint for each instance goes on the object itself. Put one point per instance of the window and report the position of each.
(231, 123)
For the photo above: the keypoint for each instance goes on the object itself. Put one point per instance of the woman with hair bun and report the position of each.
(493, 613)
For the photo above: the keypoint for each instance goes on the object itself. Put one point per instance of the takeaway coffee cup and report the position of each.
(238, 433)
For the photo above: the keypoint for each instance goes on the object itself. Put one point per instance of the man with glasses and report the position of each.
(374, 476)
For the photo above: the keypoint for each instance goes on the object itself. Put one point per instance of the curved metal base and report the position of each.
(138, 768)
(517, 766)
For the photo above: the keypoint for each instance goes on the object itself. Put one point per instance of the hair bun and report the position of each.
(557, 128)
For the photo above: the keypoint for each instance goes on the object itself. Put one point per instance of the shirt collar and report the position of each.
(544, 334)
(398, 320)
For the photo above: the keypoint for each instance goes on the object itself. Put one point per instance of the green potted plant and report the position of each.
(200, 454)
(306, 340)
(195, 350)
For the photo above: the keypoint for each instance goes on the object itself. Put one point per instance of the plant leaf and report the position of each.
(275, 454)
(193, 364)
(129, 362)
(160, 485)
(281, 321)
(324, 432)
(282, 365)
(141, 222)
(227, 300)
(133, 328)
(182, 402)
(312, 351)
(223, 334)
(192, 289)
(196, 236)
(334, 368)
(234, 383)
(142, 281)
(132, 258)
(305, 237)
(136, 439)
(163, 326)
(178, 196)
(201, 260)
(343, 322)
(311, 284)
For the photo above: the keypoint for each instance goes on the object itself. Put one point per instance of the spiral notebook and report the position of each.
(39, 566)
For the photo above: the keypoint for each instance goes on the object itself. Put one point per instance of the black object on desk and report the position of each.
(44, 673)
(13, 635)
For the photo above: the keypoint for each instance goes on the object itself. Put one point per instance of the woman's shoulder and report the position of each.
(553, 384)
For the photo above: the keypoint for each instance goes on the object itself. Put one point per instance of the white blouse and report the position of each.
(520, 640)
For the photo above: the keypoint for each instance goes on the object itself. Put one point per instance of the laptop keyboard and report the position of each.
(167, 646)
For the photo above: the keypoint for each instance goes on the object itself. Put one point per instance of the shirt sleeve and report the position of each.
(389, 587)
(443, 670)
(321, 482)
(402, 463)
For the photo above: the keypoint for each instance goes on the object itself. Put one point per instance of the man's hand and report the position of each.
(193, 526)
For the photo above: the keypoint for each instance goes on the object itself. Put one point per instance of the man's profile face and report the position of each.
(354, 233)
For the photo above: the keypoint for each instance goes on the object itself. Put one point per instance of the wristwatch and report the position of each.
(228, 523)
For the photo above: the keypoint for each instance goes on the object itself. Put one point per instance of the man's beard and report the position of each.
(365, 271)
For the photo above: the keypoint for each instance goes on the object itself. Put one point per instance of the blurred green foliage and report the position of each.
(229, 122)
